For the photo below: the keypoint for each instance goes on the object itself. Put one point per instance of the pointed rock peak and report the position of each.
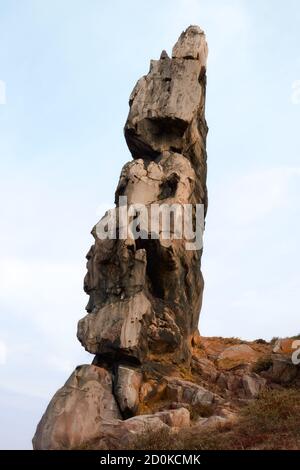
(191, 45)
(164, 55)
(193, 30)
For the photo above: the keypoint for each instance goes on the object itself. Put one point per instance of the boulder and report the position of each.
(237, 355)
(84, 414)
(211, 422)
(127, 388)
(191, 45)
(282, 371)
(118, 327)
(204, 368)
(75, 414)
(126, 434)
(253, 385)
(178, 390)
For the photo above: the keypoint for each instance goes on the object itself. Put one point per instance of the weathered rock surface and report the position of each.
(236, 355)
(75, 414)
(84, 414)
(282, 370)
(127, 388)
(204, 368)
(124, 434)
(253, 385)
(145, 288)
(168, 103)
(118, 328)
(211, 422)
(188, 392)
(152, 371)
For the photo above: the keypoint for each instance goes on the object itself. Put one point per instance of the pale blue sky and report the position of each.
(69, 67)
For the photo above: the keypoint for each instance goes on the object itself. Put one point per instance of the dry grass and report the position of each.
(200, 411)
(232, 341)
(262, 364)
(270, 422)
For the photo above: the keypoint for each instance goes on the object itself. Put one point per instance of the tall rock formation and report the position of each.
(145, 289)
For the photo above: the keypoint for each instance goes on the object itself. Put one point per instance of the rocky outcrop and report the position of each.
(283, 371)
(84, 414)
(146, 289)
(78, 411)
(144, 281)
(127, 388)
(236, 355)
(152, 372)
(178, 390)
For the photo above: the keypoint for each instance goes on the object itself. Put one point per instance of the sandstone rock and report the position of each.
(204, 368)
(115, 272)
(176, 406)
(188, 392)
(237, 355)
(212, 347)
(145, 289)
(152, 391)
(253, 385)
(172, 418)
(75, 414)
(234, 383)
(222, 381)
(165, 102)
(191, 45)
(170, 177)
(84, 414)
(175, 418)
(283, 371)
(127, 388)
(149, 280)
(167, 99)
(120, 326)
(286, 346)
(167, 107)
(148, 390)
(211, 422)
(123, 434)
(120, 435)
(240, 384)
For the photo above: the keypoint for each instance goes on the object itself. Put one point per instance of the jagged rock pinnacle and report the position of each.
(145, 294)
